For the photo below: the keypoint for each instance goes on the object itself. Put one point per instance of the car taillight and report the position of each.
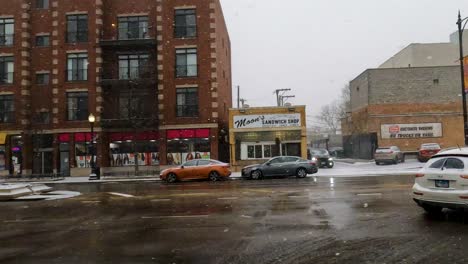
(419, 175)
(464, 176)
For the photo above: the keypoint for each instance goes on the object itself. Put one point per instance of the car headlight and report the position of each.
(314, 159)
(330, 159)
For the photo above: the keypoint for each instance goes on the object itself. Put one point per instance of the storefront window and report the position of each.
(187, 144)
(123, 153)
(182, 150)
(260, 151)
(83, 153)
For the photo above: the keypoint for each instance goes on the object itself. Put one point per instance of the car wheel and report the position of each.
(377, 163)
(432, 210)
(331, 166)
(403, 159)
(256, 175)
(213, 176)
(301, 173)
(395, 161)
(171, 178)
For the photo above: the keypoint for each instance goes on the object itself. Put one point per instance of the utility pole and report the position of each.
(277, 92)
(243, 102)
(461, 27)
(238, 96)
(283, 97)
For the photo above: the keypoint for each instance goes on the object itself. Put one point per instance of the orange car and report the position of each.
(197, 169)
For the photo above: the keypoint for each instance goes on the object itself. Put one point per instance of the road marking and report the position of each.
(174, 216)
(369, 194)
(298, 196)
(228, 198)
(121, 194)
(161, 200)
(246, 216)
(86, 202)
(191, 194)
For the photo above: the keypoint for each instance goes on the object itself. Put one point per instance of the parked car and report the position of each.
(212, 170)
(322, 158)
(280, 166)
(426, 151)
(388, 155)
(442, 182)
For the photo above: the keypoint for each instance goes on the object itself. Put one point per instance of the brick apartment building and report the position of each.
(155, 73)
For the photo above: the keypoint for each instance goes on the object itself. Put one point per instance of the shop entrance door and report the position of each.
(291, 149)
(64, 159)
(43, 162)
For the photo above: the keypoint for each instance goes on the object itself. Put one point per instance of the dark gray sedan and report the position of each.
(280, 166)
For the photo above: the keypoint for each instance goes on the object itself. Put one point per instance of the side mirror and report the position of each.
(268, 163)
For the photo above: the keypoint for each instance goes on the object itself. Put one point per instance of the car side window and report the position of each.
(438, 164)
(454, 164)
(290, 159)
(190, 163)
(276, 160)
(203, 162)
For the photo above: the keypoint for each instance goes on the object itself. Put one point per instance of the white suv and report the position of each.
(443, 182)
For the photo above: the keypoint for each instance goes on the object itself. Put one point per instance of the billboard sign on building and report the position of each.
(408, 131)
(267, 121)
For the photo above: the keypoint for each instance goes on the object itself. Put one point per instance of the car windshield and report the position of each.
(320, 152)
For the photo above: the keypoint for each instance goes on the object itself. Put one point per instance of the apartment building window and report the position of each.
(7, 70)
(42, 4)
(133, 27)
(133, 66)
(42, 41)
(7, 31)
(77, 28)
(42, 78)
(77, 67)
(186, 63)
(187, 102)
(77, 106)
(185, 23)
(7, 109)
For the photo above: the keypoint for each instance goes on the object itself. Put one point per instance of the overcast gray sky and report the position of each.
(316, 46)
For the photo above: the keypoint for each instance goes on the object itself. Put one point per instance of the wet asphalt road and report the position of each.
(313, 220)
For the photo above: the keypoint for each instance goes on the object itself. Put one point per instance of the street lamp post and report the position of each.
(93, 175)
(461, 26)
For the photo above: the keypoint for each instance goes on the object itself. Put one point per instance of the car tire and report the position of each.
(377, 163)
(213, 176)
(395, 161)
(256, 175)
(330, 166)
(432, 210)
(171, 178)
(301, 173)
(403, 159)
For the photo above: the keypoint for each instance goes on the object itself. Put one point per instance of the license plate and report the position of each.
(442, 184)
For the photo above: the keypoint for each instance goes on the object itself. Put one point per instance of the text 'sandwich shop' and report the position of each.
(260, 133)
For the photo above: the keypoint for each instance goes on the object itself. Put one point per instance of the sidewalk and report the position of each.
(67, 180)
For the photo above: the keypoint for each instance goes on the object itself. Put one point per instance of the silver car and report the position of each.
(391, 155)
(280, 166)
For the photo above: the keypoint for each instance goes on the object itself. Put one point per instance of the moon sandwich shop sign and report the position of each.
(267, 121)
(406, 131)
